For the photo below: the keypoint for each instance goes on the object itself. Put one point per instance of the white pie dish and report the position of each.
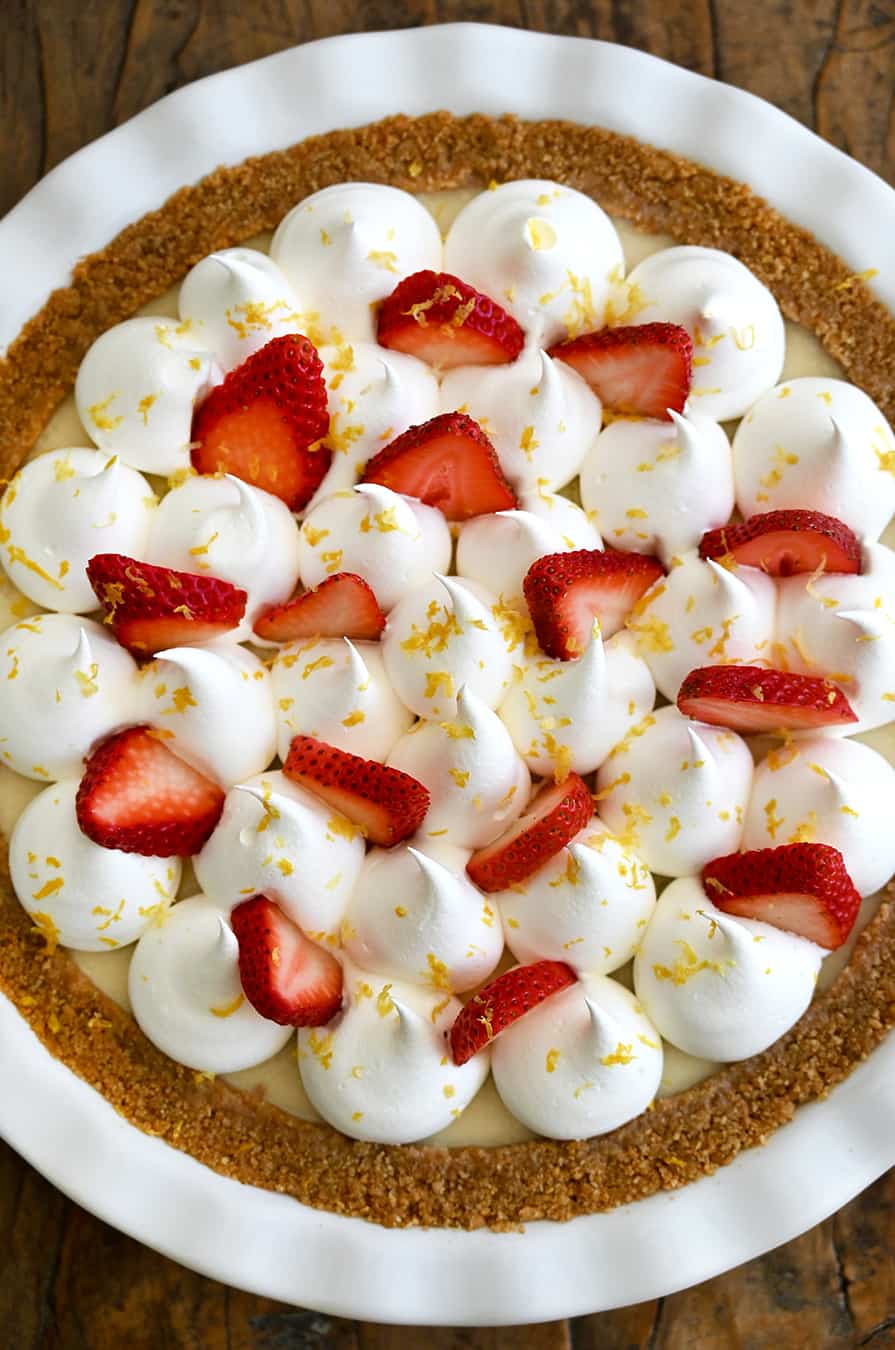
(262, 1241)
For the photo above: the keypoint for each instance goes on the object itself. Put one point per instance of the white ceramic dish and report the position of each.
(265, 1242)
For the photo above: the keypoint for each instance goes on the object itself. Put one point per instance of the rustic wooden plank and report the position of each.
(544, 1336)
(21, 104)
(654, 26)
(853, 93)
(31, 1216)
(864, 1241)
(779, 56)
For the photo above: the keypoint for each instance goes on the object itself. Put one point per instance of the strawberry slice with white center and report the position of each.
(802, 888)
(553, 817)
(139, 797)
(285, 976)
(752, 698)
(787, 542)
(446, 462)
(341, 606)
(498, 1004)
(386, 804)
(440, 319)
(643, 369)
(151, 608)
(565, 592)
(266, 422)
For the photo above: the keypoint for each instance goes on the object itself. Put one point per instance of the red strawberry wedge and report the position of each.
(341, 606)
(266, 421)
(386, 804)
(751, 698)
(565, 592)
(138, 797)
(644, 369)
(498, 1004)
(802, 888)
(441, 320)
(784, 543)
(553, 817)
(150, 608)
(285, 976)
(447, 462)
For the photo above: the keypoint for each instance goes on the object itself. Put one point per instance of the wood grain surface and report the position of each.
(70, 70)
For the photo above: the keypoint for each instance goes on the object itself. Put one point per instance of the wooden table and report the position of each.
(68, 72)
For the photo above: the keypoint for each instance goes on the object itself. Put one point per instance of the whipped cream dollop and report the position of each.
(236, 300)
(587, 906)
(214, 705)
(412, 918)
(62, 508)
(89, 898)
(373, 395)
(573, 525)
(675, 791)
(186, 995)
(818, 444)
(445, 634)
(136, 389)
(347, 247)
(538, 413)
(338, 691)
(581, 1063)
(656, 487)
(383, 1069)
(394, 542)
(67, 683)
(223, 527)
(842, 626)
(497, 550)
(546, 253)
(703, 614)
(719, 987)
(831, 789)
(276, 838)
(477, 779)
(569, 714)
(736, 326)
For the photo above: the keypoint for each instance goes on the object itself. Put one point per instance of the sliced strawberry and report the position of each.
(784, 543)
(802, 888)
(138, 797)
(341, 606)
(440, 319)
(385, 803)
(266, 421)
(498, 1004)
(566, 591)
(151, 608)
(285, 976)
(644, 369)
(553, 817)
(447, 462)
(751, 698)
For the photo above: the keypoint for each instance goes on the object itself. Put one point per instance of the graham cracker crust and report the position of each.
(679, 1139)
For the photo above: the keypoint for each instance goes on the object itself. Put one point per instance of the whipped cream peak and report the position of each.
(549, 709)
(581, 1063)
(498, 549)
(58, 511)
(477, 780)
(573, 525)
(186, 994)
(538, 413)
(339, 692)
(276, 838)
(67, 685)
(89, 898)
(443, 634)
(382, 1070)
(820, 444)
(393, 541)
(719, 987)
(237, 300)
(443, 933)
(220, 526)
(676, 792)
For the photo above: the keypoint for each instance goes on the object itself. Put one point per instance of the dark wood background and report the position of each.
(70, 70)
